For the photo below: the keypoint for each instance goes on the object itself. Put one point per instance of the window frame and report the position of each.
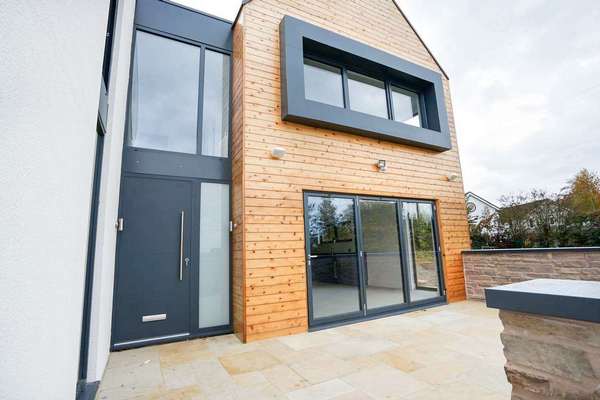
(331, 64)
(202, 48)
(300, 40)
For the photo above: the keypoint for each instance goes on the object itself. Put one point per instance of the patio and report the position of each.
(449, 352)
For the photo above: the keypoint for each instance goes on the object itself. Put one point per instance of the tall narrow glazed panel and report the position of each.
(164, 95)
(333, 258)
(214, 255)
(381, 253)
(215, 115)
(421, 253)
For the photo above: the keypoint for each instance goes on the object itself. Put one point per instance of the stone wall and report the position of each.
(487, 268)
(551, 358)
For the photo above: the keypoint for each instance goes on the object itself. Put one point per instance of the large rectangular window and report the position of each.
(166, 111)
(215, 113)
(164, 94)
(374, 92)
(323, 83)
(367, 95)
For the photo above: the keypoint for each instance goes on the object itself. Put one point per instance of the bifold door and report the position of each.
(368, 256)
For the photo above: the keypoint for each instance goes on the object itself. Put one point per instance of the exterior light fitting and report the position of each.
(452, 178)
(278, 152)
(381, 165)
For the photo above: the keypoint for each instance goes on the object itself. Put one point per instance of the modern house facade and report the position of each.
(291, 170)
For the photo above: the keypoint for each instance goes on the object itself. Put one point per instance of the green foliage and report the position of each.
(538, 219)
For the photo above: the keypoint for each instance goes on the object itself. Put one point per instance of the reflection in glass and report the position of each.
(214, 255)
(164, 94)
(381, 253)
(334, 267)
(215, 115)
(367, 95)
(406, 106)
(421, 255)
(323, 83)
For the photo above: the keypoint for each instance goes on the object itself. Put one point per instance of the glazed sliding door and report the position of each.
(421, 250)
(381, 253)
(333, 267)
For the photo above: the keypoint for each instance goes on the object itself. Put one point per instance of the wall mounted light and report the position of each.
(278, 152)
(381, 165)
(452, 178)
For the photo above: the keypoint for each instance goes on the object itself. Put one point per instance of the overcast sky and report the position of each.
(525, 82)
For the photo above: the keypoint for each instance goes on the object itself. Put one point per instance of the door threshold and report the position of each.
(145, 342)
(404, 310)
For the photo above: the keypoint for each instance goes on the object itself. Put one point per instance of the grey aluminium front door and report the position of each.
(153, 261)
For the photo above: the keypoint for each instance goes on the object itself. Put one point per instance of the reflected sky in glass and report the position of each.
(164, 94)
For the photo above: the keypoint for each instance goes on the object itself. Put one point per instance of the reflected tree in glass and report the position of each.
(421, 254)
(334, 266)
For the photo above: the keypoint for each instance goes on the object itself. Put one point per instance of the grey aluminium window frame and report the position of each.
(298, 38)
(365, 313)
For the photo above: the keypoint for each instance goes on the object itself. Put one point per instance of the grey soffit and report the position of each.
(295, 35)
(571, 299)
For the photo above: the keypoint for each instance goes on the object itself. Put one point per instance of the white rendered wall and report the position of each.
(50, 70)
(102, 295)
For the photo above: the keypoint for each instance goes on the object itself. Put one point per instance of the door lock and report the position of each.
(187, 262)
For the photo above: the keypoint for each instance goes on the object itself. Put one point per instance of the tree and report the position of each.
(583, 193)
(539, 219)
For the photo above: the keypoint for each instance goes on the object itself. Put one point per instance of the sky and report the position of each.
(525, 84)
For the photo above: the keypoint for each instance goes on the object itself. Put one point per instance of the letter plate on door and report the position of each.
(155, 317)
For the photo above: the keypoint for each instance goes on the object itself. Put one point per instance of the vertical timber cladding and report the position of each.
(268, 192)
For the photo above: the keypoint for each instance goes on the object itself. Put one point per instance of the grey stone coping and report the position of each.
(533, 250)
(578, 300)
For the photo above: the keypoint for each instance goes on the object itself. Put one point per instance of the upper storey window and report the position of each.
(406, 107)
(179, 98)
(323, 83)
(367, 95)
(215, 116)
(331, 81)
(164, 94)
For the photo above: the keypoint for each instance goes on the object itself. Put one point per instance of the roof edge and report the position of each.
(244, 2)
(483, 200)
(421, 40)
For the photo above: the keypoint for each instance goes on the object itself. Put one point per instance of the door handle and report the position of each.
(181, 233)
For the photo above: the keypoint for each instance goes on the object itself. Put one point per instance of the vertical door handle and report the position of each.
(181, 247)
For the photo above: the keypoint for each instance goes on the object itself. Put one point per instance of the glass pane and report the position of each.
(323, 83)
(422, 257)
(334, 267)
(367, 95)
(164, 94)
(406, 106)
(215, 116)
(381, 253)
(214, 255)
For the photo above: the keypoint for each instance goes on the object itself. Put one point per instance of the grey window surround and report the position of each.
(298, 37)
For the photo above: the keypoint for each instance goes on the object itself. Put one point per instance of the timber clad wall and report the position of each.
(268, 202)
(237, 197)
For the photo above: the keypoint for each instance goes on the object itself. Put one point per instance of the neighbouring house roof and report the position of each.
(244, 2)
(488, 203)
